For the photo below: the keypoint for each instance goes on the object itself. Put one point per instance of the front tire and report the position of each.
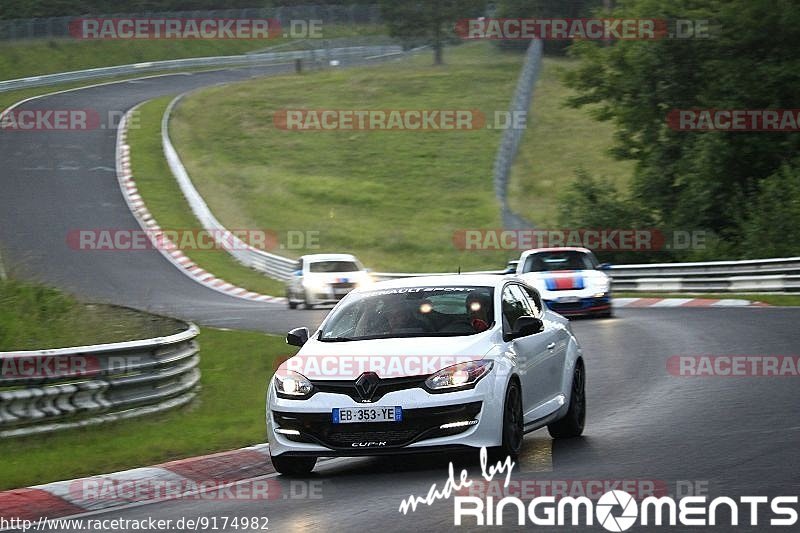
(573, 422)
(293, 466)
(307, 305)
(513, 427)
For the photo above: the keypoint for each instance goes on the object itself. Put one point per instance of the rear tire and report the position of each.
(573, 422)
(293, 466)
(513, 427)
(292, 305)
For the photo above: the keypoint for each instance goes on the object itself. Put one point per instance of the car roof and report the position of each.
(316, 258)
(446, 280)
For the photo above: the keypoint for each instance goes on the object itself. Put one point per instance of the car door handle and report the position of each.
(551, 346)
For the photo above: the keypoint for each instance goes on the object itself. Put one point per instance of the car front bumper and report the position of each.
(580, 305)
(421, 429)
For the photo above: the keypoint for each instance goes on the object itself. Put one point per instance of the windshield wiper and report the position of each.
(336, 339)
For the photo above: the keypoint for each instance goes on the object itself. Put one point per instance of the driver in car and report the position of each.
(478, 304)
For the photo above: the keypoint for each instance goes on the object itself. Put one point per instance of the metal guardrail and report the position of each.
(771, 275)
(330, 14)
(275, 266)
(722, 276)
(245, 60)
(49, 390)
(512, 137)
(762, 275)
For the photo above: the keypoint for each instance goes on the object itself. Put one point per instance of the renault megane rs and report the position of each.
(426, 363)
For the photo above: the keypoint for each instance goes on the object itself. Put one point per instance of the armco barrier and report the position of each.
(759, 275)
(768, 275)
(49, 390)
(275, 266)
(246, 60)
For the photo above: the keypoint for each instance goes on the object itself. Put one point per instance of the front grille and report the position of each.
(383, 387)
(343, 285)
(572, 306)
(417, 424)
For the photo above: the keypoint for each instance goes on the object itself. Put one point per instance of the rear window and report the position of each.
(560, 260)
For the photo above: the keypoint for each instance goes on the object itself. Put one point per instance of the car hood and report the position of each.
(388, 358)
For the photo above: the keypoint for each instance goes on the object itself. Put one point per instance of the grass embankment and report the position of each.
(559, 141)
(394, 198)
(33, 317)
(227, 413)
(23, 58)
(169, 207)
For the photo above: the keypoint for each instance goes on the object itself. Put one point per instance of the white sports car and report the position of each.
(570, 280)
(427, 363)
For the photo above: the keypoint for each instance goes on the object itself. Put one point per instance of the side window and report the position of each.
(534, 301)
(589, 262)
(513, 307)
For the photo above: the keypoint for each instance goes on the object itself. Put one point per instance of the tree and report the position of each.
(430, 22)
(751, 60)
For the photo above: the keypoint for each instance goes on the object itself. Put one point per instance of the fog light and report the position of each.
(288, 432)
(461, 424)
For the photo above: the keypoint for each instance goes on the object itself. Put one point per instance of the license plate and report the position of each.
(569, 300)
(359, 415)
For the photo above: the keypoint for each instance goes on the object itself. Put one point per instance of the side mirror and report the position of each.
(526, 325)
(297, 337)
(603, 266)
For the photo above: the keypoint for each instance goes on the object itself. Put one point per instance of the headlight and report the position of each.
(315, 285)
(292, 385)
(458, 377)
(601, 285)
(365, 280)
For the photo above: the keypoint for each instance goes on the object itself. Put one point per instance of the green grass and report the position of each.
(771, 299)
(167, 204)
(559, 140)
(228, 413)
(19, 59)
(33, 317)
(394, 198)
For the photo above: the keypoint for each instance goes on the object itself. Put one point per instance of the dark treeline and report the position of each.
(15, 9)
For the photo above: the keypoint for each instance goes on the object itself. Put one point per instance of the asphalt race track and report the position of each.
(731, 436)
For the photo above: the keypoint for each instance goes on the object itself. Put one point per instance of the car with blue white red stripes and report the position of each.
(570, 280)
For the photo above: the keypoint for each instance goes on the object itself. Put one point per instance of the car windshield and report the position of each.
(411, 312)
(333, 266)
(558, 260)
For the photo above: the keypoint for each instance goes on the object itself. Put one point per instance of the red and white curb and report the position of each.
(158, 238)
(239, 474)
(684, 302)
